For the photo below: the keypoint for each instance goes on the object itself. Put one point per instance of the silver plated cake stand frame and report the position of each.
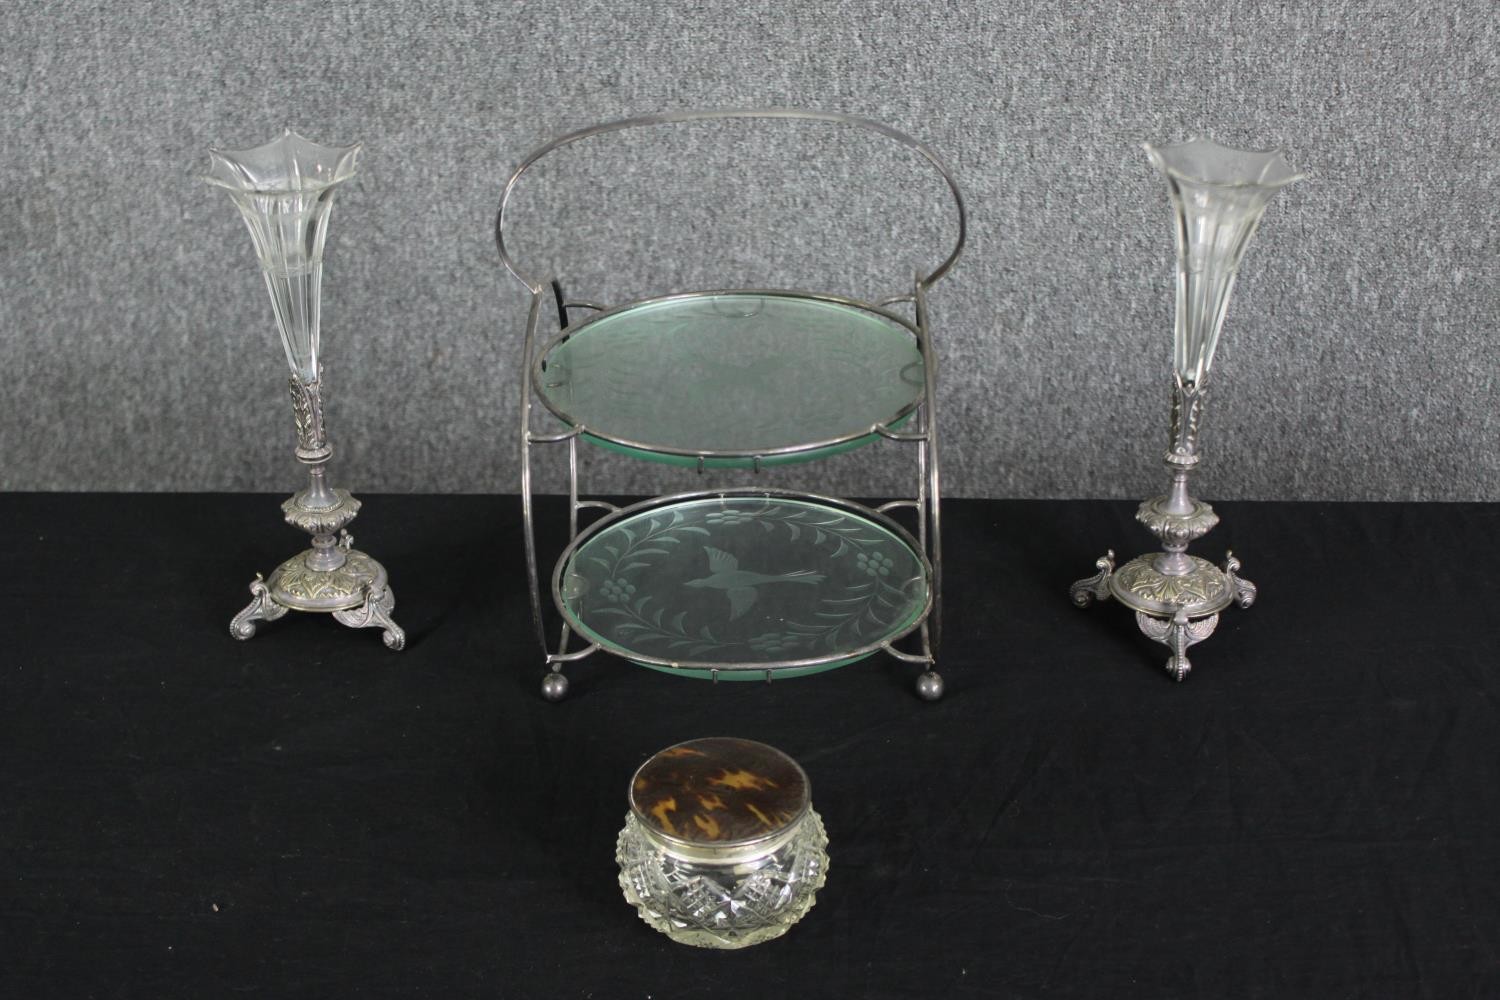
(917, 427)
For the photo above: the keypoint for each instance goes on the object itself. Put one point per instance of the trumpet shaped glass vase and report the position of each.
(284, 191)
(1218, 197)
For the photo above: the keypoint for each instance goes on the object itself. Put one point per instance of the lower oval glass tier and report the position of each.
(734, 377)
(739, 585)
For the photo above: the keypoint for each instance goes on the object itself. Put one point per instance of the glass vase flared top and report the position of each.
(284, 190)
(1218, 195)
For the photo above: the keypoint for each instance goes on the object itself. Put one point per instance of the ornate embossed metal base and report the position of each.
(331, 577)
(1176, 597)
(1177, 610)
(356, 594)
(1139, 585)
(721, 848)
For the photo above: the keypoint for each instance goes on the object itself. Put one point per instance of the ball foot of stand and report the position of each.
(356, 594)
(554, 686)
(930, 686)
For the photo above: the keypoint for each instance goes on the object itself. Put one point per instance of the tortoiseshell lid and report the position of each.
(719, 791)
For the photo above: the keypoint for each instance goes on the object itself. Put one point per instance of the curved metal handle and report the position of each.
(678, 117)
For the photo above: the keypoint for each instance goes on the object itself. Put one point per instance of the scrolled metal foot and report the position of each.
(1177, 634)
(1084, 592)
(930, 686)
(1244, 590)
(375, 613)
(261, 608)
(554, 686)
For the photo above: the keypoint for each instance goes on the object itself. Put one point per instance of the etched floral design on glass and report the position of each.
(284, 190)
(1218, 195)
(743, 580)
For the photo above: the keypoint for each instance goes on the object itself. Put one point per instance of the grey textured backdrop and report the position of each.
(1359, 358)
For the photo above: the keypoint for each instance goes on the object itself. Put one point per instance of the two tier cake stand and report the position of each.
(739, 583)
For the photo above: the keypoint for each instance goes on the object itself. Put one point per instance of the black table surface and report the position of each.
(1315, 812)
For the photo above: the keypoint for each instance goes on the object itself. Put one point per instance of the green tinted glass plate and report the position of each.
(779, 375)
(743, 583)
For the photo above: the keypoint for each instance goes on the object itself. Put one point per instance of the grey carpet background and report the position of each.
(1359, 359)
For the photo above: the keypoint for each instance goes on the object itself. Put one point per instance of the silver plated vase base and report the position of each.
(1176, 610)
(356, 593)
(1139, 585)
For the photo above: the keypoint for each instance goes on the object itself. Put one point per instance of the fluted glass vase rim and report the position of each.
(236, 181)
(1275, 155)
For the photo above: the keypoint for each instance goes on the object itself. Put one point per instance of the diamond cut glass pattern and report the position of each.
(709, 906)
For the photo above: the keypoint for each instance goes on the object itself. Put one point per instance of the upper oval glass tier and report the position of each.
(733, 376)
